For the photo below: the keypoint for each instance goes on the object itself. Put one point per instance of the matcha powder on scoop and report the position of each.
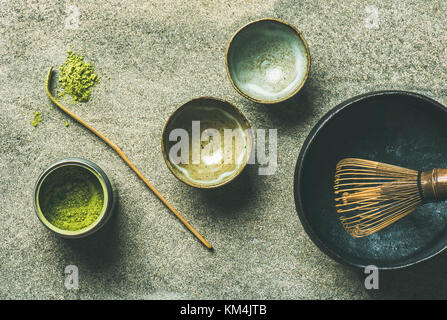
(77, 77)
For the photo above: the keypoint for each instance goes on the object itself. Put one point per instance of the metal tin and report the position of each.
(109, 197)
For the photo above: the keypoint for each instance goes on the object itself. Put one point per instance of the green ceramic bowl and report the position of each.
(210, 157)
(268, 61)
(78, 167)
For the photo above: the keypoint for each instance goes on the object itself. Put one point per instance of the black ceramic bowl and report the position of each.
(396, 127)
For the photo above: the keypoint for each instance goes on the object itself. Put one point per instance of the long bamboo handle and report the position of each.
(124, 157)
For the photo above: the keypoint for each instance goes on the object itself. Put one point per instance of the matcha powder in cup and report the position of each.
(71, 198)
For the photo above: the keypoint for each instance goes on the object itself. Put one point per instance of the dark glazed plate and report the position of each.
(396, 127)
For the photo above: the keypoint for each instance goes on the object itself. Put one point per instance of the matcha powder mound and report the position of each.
(77, 77)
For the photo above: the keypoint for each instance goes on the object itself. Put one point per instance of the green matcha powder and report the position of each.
(37, 119)
(71, 198)
(77, 77)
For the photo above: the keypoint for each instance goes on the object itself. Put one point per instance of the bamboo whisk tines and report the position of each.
(370, 196)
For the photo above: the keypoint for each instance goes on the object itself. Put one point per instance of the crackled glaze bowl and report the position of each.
(207, 142)
(268, 61)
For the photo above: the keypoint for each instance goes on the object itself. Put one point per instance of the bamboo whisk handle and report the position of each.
(433, 184)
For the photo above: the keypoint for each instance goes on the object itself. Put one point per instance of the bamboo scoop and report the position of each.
(128, 162)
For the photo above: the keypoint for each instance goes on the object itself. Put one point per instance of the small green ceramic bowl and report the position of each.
(268, 61)
(82, 167)
(216, 140)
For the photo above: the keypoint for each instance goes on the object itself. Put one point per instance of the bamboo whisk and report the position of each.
(370, 196)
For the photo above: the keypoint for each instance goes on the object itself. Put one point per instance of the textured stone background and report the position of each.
(158, 55)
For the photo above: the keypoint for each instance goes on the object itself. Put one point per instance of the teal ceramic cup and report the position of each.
(268, 61)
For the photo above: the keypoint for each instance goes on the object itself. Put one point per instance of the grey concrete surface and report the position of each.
(158, 55)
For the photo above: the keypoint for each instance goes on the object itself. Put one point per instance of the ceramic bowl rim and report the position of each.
(180, 177)
(308, 64)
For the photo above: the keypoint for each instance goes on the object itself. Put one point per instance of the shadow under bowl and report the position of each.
(268, 61)
(207, 142)
(395, 127)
